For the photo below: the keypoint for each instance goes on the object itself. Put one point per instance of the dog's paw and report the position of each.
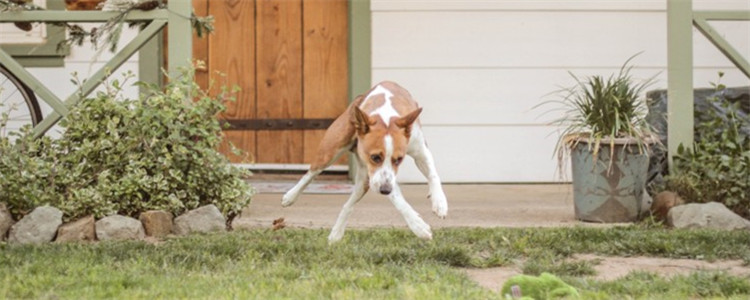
(289, 198)
(335, 236)
(439, 204)
(421, 229)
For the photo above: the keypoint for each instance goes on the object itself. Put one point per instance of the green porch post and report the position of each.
(360, 60)
(180, 38)
(680, 75)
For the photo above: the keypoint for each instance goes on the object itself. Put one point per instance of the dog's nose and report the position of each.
(385, 189)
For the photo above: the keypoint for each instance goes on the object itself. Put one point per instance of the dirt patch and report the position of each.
(492, 278)
(611, 268)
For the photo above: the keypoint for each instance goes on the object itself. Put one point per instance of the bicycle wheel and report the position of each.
(18, 101)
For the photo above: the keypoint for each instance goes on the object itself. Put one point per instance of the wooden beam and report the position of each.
(180, 36)
(84, 16)
(723, 15)
(715, 38)
(94, 80)
(680, 75)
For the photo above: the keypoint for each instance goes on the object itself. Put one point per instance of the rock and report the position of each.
(663, 202)
(6, 221)
(80, 230)
(37, 227)
(203, 219)
(706, 215)
(117, 227)
(157, 223)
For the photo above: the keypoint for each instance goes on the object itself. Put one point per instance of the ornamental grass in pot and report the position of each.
(608, 140)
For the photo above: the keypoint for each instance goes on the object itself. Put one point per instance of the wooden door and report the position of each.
(290, 59)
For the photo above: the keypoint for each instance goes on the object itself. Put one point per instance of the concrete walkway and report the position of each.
(470, 205)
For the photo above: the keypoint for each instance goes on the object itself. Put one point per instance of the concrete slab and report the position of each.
(470, 205)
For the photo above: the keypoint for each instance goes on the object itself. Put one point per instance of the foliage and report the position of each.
(717, 168)
(109, 33)
(602, 109)
(127, 156)
(367, 264)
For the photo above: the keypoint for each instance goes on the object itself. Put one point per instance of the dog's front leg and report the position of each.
(413, 220)
(360, 188)
(426, 164)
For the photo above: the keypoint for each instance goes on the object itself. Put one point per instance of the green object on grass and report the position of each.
(546, 286)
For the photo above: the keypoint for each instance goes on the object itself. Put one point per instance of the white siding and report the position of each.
(478, 68)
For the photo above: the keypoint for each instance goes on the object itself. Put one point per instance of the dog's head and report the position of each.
(382, 146)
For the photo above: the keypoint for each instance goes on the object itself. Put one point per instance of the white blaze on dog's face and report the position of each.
(382, 146)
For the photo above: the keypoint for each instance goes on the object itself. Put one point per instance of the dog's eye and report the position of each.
(398, 160)
(376, 158)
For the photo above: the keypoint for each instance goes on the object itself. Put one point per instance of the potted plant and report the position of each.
(606, 136)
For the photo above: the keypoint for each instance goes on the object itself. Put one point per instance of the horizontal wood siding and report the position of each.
(479, 67)
(489, 154)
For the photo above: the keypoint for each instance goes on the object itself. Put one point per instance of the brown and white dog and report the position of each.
(380, 127)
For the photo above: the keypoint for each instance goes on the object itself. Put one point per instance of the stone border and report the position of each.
(44, 224)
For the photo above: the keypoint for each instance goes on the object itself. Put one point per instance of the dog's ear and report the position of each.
(407, 121)
(361, 121)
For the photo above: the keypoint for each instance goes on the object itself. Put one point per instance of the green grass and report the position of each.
(367, 264)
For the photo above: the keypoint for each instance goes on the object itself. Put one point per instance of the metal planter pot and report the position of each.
(608, 193)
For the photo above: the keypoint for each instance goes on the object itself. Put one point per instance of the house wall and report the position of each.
(480, 67)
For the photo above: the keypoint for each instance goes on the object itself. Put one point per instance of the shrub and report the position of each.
(717, 168)
(127, 156)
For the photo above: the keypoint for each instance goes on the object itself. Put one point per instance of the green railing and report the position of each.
(176, 16)
(680, 21)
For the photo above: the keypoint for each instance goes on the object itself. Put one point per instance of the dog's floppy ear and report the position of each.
(407, 121)
(361, 121)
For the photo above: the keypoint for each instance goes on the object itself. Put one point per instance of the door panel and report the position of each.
(290, 59)
(325, 72)
(279, 78)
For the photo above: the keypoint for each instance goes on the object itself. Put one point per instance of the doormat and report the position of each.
(313, 188)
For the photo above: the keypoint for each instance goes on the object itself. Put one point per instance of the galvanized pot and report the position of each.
(608, 189)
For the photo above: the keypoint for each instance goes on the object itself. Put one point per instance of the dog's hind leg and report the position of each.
(291, 196)
(338, 139)
(413, 220)
(426, 164)
(360, 188)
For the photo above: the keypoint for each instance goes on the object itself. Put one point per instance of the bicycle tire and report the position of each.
(26, 93)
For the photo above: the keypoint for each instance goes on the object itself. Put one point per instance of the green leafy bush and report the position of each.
(717, 168)
(127, 156)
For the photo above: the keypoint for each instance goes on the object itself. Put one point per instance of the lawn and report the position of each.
(367, 264)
